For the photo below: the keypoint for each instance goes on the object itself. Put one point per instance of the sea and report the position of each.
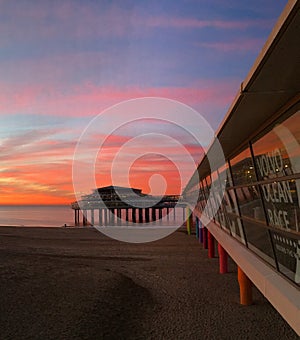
(51, 216)
(36, 215)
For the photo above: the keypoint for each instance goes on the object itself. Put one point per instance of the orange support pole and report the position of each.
(223, 259)
(211, 245)
(245, 288)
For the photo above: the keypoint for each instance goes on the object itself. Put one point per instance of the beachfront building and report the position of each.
(249, 202)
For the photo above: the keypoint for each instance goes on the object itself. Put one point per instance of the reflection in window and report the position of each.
(224, 176)
(234, 222)
(278, 152)
(287, 251)
(259, 241)
(242, 168)
(250, 203)
(282, 204)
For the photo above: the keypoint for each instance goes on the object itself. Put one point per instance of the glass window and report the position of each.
(287, 250)
(282, 204)
(277, 153)
(242, 168)
(224, 221)
(259, 241)
(233, 221)
(208, 208)
(216, 192)
(224, 176)
(250, 203)
(202, 199)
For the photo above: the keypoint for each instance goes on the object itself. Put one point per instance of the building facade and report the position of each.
(251, 201)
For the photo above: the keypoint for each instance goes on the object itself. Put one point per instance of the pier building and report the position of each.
(115, 203)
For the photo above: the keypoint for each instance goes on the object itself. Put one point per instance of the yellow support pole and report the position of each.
(189, 220)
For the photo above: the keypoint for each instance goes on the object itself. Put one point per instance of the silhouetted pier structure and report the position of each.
(110, 205)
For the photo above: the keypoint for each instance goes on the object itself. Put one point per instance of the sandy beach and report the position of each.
(75, 283)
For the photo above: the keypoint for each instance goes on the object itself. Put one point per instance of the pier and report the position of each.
(111, 205)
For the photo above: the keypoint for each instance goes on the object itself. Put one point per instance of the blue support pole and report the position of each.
(197, 227)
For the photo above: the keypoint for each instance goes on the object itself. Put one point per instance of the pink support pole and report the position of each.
(223, 259)
(211, 245)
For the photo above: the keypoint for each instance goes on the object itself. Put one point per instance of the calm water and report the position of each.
(36, 215)
(51, 216)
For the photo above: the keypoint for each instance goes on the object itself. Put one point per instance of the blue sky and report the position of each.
(63, 62)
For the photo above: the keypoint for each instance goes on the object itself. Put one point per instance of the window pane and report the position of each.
(258, 240)
(234, 222)
(278, 152)
(242, 168)
(287, 251)
(282, 204)
(250, 203)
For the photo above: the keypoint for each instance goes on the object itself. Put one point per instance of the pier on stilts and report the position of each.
(115, 205)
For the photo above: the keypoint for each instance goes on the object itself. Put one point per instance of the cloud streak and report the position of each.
(193, 23)
(238, 46)
(89, 100)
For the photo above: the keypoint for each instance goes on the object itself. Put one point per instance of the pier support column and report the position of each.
(127, 216)
(84, 219)
(223, 259)
(168, 217)
(153, 214)
(174, 213)
(112, 216)
(92, 217)
(133, 215)
(160, 213)
(105, 216)
(140, 215)
(119, 216)
(245, 288)
(76, 217)
(100, 217)
(211, 245)
(205, 242)
(147, 215)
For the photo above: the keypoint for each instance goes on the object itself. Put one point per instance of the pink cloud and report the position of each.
(234, 46)
(88, 99)
(35, 146)
(182, 23)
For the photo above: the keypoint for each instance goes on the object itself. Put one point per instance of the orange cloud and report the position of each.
(36, 171)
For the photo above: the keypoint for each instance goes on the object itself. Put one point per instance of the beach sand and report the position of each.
(75, 283)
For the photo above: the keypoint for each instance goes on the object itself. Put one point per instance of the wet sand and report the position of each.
(74, 283)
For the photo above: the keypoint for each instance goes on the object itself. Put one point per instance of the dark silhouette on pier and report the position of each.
(139, 207)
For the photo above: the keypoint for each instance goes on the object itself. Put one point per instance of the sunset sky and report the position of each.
(64, 62)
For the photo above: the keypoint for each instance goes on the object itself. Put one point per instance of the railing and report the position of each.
(164, 202)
